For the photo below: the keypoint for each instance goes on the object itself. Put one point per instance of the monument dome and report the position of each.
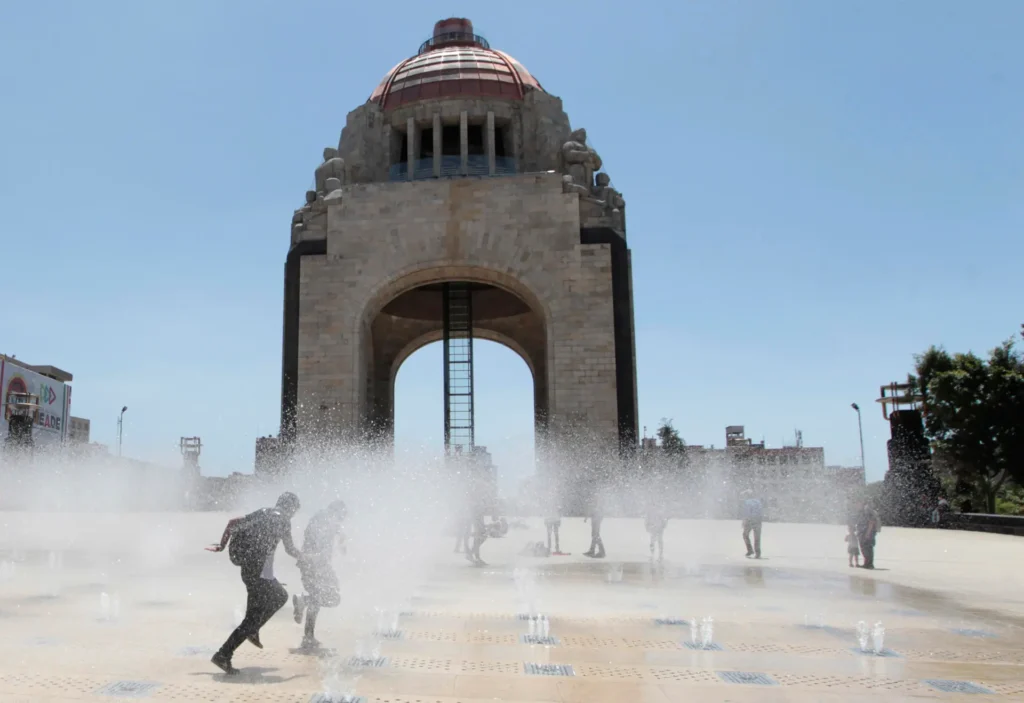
(454, 63)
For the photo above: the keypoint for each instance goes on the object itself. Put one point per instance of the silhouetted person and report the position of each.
(596, 543)
(479, 531)
(868, 525)
(552, 524)
(318, 578)
(753, 516)
(253, 541)
(463, 532)
(656, 521)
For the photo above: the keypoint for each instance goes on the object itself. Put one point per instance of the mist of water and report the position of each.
(126, 527)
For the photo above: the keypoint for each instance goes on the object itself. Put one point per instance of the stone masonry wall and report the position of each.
(521, 233)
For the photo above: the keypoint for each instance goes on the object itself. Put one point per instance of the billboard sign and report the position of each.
(51, 422)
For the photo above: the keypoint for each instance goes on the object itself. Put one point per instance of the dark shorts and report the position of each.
(321, 584)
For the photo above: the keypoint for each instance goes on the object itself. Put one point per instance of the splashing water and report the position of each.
(707, 631)
(694, 626)
(863, 635)
(545, 626)
(878, 638)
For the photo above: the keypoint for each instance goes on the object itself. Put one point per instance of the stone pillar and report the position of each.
(437, 145)
(464, 142)
(410, 154)
(491, 165)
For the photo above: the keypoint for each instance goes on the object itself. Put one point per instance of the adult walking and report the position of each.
(753, 517)
(869, 524)
(253, 541)
(596, 550)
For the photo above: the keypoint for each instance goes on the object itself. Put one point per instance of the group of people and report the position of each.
(655, 521)
(252, 541)
(862, 526)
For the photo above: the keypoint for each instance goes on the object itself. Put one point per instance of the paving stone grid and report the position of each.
(462, 638)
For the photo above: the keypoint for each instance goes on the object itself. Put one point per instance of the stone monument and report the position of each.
(460, 169)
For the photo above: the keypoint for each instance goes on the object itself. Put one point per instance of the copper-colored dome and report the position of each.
(454, 63)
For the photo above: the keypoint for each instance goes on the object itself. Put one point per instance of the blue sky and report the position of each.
(816, 190)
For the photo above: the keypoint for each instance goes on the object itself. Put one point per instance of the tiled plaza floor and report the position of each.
(784, 628)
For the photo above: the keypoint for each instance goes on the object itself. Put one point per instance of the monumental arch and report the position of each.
(459, 203)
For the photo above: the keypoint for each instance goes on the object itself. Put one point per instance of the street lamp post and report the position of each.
(860, 430)
(120, 429)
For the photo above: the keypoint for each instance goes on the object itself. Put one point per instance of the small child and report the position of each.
(852, 546)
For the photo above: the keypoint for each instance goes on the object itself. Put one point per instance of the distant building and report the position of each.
(794, 482)
(269, 457)
(79, 430)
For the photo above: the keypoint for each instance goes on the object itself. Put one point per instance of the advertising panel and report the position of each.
(51, 423)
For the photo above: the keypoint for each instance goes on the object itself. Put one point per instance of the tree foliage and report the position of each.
(671, 443)
(974, 415)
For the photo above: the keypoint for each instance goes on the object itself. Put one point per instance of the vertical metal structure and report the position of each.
(458, 368)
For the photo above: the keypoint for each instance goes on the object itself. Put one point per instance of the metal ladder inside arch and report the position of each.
(458, 368)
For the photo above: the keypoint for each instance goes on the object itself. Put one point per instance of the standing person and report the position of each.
(318, 578)
(868, 527)
(596, 550)
(656, 521)
(478, 503)
(753, 516)
(552, 524)
(463, 531)
(253, 541)
(852, 545)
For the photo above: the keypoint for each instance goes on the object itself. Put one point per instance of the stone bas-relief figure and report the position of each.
(611, 199)
(579, 160)
(604, 192)
(301, 216)
(333, 167)
(569, 186)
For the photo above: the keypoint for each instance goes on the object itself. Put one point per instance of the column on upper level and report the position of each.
(410, 143)
(464, 143)
(437, 145)
(491, 160)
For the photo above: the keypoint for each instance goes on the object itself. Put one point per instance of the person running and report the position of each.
(253, 541)
(656, 520)
(753, 516)
(318, 578)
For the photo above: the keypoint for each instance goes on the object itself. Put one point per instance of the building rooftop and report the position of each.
(455, 62)
(45, 370)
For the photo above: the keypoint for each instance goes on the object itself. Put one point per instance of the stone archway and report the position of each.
(406, 315)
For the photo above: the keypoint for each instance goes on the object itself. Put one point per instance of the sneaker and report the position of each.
(255, 639)
(309, 642)
(298, 608)
(223, 662)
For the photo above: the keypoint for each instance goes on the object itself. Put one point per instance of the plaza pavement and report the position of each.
(951, 603)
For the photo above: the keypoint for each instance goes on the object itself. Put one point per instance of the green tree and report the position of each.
(974, 415)
(671, 443)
